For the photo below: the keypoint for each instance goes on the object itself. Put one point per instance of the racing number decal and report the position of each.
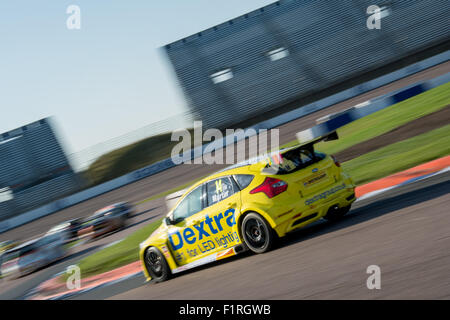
(218, 185)
(222, 191)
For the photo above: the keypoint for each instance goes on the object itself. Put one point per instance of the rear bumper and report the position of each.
(310, 209)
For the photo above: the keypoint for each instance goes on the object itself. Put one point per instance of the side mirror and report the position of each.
(167, 221)
(170, 221)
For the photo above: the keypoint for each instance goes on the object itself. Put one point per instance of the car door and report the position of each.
(223, 204)
(183, 234)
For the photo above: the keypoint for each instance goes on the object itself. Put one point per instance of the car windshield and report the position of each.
(92, 219)
(97, 215)
(190, 205)
(19, 252)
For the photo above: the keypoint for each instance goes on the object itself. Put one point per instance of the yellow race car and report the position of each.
(247, 207)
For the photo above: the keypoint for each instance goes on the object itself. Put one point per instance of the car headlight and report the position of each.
(141, 245)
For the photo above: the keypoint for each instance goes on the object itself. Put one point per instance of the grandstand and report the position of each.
(277, 56)
(34, 169)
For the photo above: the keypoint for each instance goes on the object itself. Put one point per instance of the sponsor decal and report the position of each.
(316, 178)
(325, 194)
(225, 254)
(205, 236)
(165, 251)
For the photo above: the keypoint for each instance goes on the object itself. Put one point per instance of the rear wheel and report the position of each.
(257, 233)
(156, 265)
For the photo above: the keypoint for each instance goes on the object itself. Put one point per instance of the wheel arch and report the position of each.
(263, 214)
(167, 256)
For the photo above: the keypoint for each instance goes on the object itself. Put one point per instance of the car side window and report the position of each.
(219, 189)
(190, 205)
(244, 180)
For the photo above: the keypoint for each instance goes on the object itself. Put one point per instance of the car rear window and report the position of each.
(294, 160)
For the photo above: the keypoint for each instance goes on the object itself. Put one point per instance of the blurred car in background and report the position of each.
(33, 255)
(106, 220)
(69, 228)
(6, 245)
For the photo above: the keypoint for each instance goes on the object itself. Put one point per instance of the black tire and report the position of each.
(257, 234)
(156, 265)
(337, 215)
(123, 223)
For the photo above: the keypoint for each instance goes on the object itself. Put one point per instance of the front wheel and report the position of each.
(257, 233)
(156, 265)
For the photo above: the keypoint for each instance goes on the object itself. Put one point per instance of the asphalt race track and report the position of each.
(405, 232)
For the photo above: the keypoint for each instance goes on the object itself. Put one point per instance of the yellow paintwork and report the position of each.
(312, 190)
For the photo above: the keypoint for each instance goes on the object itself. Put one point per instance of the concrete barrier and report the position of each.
(358, 111)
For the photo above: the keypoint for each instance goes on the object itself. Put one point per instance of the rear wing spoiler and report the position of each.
(307, 139)
(326, 128)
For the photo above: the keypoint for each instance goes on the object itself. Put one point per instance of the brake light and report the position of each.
(336, 162)
(271, 187)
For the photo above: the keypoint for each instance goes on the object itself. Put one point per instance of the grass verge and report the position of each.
(386, 120)
(400, 156)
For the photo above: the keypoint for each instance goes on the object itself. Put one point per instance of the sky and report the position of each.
(107, 78)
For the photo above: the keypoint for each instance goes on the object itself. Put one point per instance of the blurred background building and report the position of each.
(34, 169)
(293, 52)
